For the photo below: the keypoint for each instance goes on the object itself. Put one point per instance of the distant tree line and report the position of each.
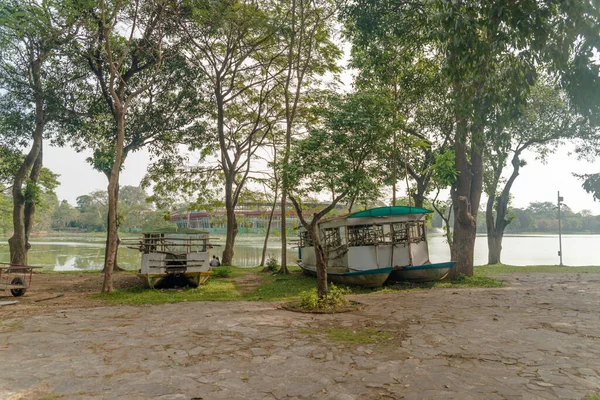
(540, 217)
(90, 212)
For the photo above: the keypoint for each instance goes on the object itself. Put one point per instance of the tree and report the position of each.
(338, 156)
(64, 216)
(234, 45)
(546, 120)
(93, 211)
(490, 50)
(32, 77)
(125, 45)
(412, 80)
(310, 54)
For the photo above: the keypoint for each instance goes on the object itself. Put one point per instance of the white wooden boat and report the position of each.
(173, 257)
(372, 242)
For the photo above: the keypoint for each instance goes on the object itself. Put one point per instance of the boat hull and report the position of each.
(367, 278)
(166, 280)
(421, 273)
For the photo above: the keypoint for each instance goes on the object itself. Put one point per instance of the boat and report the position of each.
(371, 243)
(421, 273)
(367, 278)
(173, 257)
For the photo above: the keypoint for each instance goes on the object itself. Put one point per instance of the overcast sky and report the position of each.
(537, 181)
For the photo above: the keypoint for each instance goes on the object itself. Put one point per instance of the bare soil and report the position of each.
(537, 338)
(51, 292)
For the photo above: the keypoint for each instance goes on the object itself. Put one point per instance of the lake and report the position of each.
(86, 252)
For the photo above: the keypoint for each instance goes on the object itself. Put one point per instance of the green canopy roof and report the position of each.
(387, 211)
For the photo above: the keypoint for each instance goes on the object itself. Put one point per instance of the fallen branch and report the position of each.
(50, 298)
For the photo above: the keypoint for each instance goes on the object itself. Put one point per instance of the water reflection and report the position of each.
(84, 253)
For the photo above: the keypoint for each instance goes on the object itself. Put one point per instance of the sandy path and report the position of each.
(539, 338)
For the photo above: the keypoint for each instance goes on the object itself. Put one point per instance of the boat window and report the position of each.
(361, 235)
(385, 236)
(399, 232)
(305, 240)
(331, 238)
(417, 231)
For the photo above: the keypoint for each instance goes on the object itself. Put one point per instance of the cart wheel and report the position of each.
(20, 291)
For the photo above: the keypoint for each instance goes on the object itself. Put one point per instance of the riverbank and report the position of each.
(535, 338)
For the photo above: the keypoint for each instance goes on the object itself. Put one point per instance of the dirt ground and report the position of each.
(538, 338)
(50, 292)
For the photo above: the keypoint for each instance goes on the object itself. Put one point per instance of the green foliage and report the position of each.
(273, 264)
(339, 156)
(591, 184)
(221, 272)
(335, 299)
(444, 169)
(32, 192)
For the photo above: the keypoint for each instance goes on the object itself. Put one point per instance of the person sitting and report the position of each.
(214, 262)
(218, 262)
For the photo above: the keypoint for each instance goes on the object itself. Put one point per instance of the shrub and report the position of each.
(336, 298)
(221, 272)
(273, 264)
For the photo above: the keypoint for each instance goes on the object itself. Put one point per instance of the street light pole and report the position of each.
(559, 231)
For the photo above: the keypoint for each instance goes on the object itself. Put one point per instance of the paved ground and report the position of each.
(539, 338)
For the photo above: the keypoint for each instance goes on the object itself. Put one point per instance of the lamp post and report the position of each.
(559, 231)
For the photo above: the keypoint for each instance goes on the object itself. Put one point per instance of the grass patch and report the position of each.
(10, 325)
(505, 269)
(213, 290)
(51, 397)
(84, 271)
(279, 287)
(351, 336)
(272, 288)
(595, 396)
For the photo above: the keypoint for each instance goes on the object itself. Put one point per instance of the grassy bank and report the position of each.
(485, 270)
(250, 284)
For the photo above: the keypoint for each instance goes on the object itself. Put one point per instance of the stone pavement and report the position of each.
(539, 338)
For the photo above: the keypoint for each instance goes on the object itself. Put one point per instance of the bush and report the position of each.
(273, 264)
(221, 272)
(336, 298)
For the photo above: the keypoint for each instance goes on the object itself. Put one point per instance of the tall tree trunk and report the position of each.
(419, 195)
(232, 226)
(496, 233)
(321, 260)
(445, 219)
(264, 250)
(112, 231)
(23, 211)
(116, 267)
(466, 196)
(29, 211)
(492, 238)
(283, 220)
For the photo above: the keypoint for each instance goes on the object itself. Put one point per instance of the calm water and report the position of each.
(85, 253)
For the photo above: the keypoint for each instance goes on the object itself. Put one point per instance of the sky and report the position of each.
(536, 182)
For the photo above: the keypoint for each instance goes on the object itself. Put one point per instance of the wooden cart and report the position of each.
(16, 278)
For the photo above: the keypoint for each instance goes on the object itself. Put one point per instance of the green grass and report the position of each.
(272, 287)
(83, 271)
(278, 287)
(504, 269)
(595, 396)
(351, 336)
